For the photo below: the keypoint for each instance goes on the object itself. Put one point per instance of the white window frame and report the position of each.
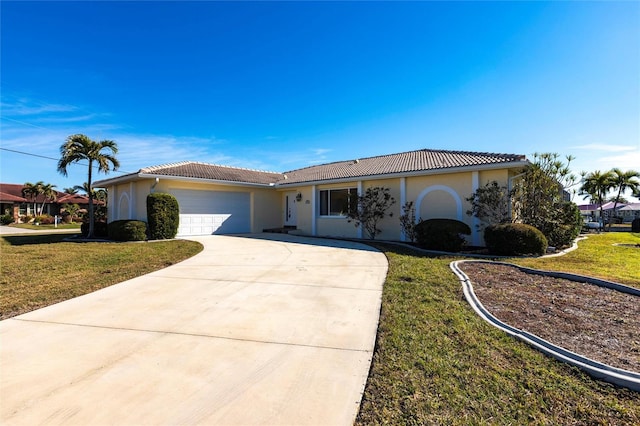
(351, 191)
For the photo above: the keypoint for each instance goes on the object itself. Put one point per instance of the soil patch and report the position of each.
(596, 322)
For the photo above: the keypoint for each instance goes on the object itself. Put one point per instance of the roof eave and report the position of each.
(205, 180)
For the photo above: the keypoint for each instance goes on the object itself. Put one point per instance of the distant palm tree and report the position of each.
(595, 186)
(49, 194)
(31, 191)
(623, 181)
(84, 188)
(82, 148)
(71, 191)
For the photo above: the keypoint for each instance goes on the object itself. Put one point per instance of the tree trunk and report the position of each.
(91, 217)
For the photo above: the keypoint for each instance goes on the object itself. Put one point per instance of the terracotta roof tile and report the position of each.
(192, 169)
(10, 198)
(14, 190)
(405, 162)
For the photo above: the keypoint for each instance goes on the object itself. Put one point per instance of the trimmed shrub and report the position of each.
(442, 234)
(99, 229)
(514, 239)
(127, 230)
(44, 219)
(6, 219)
(635, 225)
(163, 214)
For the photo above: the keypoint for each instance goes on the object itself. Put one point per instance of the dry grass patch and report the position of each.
(37, 271)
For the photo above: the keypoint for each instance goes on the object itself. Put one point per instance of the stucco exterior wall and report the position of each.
(434, 196)
(128, 200)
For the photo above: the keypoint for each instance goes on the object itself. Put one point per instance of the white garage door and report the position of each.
(213, 212)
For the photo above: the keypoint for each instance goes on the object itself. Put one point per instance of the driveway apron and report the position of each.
(256, 329)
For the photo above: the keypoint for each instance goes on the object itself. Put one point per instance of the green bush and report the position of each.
(511, 239)
(99, 229)
(635, 225)
(441, 234)
(163, 214)
(6, 219)
(564, 226)
(127, 230)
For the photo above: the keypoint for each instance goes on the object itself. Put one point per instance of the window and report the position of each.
(338, 202)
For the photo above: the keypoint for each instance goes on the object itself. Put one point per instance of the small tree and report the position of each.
(371, 208)
(491, 204)
(71, 209)
(408, 221)
(539, 197)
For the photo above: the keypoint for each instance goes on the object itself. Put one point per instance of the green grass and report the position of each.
(46, 227)
(437, 362)
(597, 256)
(40, 270)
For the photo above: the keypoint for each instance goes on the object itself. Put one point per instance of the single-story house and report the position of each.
(13, 202)
(628, 212)
(217, 199)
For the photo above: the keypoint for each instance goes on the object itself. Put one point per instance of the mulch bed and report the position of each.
(592, 321)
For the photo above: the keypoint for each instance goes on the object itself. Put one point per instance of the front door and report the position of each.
(290, 210)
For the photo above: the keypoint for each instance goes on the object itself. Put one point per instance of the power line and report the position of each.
(54, 159)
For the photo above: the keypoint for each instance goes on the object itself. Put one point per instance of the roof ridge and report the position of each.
(441, 151)
(202, 163)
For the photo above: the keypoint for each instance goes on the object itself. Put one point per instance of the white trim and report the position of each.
(403, 200)
(475, 221)
(123, 194)
(444, 188)
(360, 231)
(132, 200)
(314, 210)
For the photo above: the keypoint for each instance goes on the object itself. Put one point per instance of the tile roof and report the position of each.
(404, 162)
(10, 198)
(193, 169)
(12, 192)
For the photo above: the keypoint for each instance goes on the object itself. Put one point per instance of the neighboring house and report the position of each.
(218, 199)
(10, 204)
(13, 202)
(626, 211)
(629, 212)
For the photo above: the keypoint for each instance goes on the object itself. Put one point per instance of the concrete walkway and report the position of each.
(261, 329)
(10, 230)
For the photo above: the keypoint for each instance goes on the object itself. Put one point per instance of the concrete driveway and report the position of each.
(260, 329)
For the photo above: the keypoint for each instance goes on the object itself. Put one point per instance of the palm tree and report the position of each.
(31, 191)
(71, 191)
(48, 193)
(84, 188)
(81, 147)
(595, 186)
(623, 181)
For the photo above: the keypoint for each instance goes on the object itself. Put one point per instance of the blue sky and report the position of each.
(278, 86)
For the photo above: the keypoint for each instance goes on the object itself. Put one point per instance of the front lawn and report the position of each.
(46, 227)
(437, 362)
(40, 270)
(597, 256)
